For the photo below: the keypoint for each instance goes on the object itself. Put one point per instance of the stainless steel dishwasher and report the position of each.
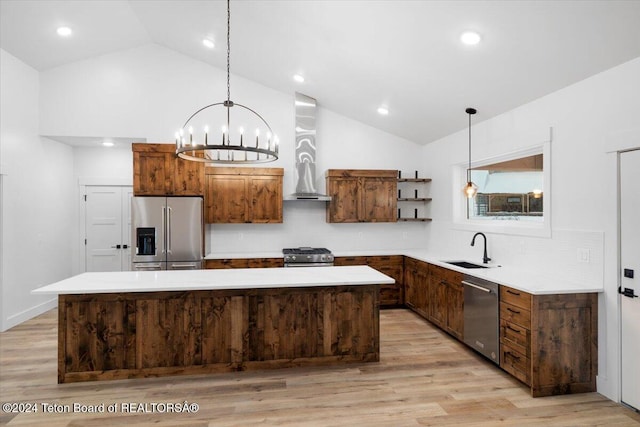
(481, 317)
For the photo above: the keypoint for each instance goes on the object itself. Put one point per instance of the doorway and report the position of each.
(630, 277)
(107, 243)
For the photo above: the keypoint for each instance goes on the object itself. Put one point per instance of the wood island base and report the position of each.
(151, 334)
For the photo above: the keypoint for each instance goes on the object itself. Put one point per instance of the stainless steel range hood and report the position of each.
(305, 172)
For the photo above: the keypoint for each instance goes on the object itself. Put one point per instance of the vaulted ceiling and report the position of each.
(355, 55)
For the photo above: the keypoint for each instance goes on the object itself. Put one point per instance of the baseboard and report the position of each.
(29, 313)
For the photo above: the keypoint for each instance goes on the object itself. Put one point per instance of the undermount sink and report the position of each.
(466, 264)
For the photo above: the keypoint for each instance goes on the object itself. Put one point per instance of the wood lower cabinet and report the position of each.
(392, 266)
(446, 300)
(360, 195)
(416, 286)
(436, 294)
(244, 263)
(243, 195)
(158, 172)
(549, 342)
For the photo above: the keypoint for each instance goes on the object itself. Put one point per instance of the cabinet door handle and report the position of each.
(513, 311)
(514, 329)
(509, 291)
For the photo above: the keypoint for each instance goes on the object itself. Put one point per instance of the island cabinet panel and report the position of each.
(133, 335)
(243, 195)
(158, 172)
(549, 342)
(244, 263)
(362, 195)
(392, 266)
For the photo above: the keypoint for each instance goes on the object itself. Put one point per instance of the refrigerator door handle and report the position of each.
(169, 210)
(164, 222)
(185, 266)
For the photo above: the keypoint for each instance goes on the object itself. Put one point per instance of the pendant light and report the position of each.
(231, 145)
(470, 189)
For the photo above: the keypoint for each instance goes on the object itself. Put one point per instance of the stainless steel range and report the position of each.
(307, 257)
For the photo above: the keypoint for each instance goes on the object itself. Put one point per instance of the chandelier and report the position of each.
(470, 189)
(196, 142)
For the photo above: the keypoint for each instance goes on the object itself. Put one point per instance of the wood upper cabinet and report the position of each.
(550, 342)
(242, 195)
(361, 195)
(158, 172)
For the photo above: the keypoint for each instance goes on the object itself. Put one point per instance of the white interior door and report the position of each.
(107, 225)
(630, 276)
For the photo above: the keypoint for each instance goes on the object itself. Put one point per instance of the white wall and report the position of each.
(589, 119)
(149, 91)
(36, 198)
(96, 166)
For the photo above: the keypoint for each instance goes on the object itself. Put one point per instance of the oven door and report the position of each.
(309, 264)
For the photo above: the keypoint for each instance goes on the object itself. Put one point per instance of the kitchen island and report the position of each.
(145, 324)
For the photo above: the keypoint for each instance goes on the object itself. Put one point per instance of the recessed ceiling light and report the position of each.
(208, 43)
(298, 78)
(64, 31)
(470, 38)
(382, 110)
(108, 144)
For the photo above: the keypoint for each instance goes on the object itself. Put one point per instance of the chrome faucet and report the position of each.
(485, 258)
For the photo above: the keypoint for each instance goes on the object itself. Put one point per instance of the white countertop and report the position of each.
(536, 281)
(240, 278)
(531, 280)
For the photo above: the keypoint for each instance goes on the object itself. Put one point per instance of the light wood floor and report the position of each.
(423, 378)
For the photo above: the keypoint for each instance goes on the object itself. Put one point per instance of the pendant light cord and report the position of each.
(469, 169)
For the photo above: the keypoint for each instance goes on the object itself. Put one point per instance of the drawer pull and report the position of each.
(517, 358)
(514, 329)
(513, 293)
(443, 282)
(513, 311)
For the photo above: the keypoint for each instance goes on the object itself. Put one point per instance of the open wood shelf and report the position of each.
(413, 199)
(414, 179)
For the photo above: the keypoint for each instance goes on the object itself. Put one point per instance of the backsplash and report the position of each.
(305, 225)
(562, 256)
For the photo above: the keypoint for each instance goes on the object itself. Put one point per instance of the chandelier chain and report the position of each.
(228, 50)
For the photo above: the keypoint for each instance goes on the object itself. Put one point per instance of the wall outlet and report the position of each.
(584, 255)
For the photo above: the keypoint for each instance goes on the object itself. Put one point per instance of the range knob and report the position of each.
(293, 258)
(286, 258)
(323, 258)
(309, 257)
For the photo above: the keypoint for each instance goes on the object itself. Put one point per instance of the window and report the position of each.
(513, 193)
(510, 190)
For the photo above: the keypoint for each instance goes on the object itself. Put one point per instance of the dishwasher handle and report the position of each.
(473, 285)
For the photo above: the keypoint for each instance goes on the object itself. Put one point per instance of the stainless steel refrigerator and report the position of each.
(167, 233)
